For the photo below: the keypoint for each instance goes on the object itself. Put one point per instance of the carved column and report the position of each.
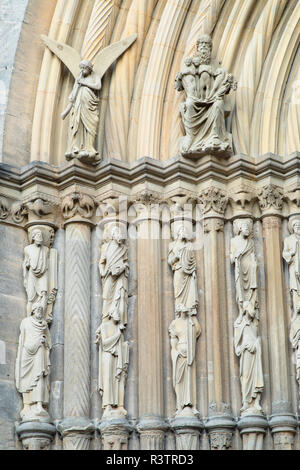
(76, 428)
(114, 426)
(36, 429)
(220, 423)
(151, 426)
(282, 421)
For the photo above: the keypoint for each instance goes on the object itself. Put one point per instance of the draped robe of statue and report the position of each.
(33, 364)
(113, 267)
(182, 260)
(184, 332)
(35, 267)
(203, 112)
(113, 363)
(291, 254)
(246, 340)
(204, 119)
(113, 350)
(84, 116)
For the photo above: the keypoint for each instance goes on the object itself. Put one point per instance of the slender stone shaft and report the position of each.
(220, 423)
(77, 331)
(149, 324)
(282, 420)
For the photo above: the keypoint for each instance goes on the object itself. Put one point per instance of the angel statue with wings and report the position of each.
(84, 99)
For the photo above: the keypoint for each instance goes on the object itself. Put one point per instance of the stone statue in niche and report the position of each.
(113, 349)
(203, 113)
(184, 332)
(33, 364)
(291, 254)
(246, 340)
(40, 270)
(182, 260)
(84, 99)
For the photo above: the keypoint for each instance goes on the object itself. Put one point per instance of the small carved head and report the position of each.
(204, 47)
(196, 60)
(37, 311)
(181, 233)
(37, 236)
(188, 61)
(86, 67)
(296, 226)
(243, 227)
(116, 234)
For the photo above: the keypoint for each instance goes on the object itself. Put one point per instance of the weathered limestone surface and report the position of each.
(13, 301)
(11, 18)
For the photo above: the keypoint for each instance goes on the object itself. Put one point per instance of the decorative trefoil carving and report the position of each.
(270, 197)
(78, 204)
(213, 199)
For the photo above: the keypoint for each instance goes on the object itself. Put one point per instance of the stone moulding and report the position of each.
(147, 169)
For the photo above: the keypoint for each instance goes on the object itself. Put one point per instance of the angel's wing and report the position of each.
(105, 58)
(69, 56)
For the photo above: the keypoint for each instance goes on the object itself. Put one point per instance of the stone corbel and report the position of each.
(181, 206)
(76, 433)
(187, 432)
(146, 207)
(42, 209)
(253, 429)
(115, 434)
(293, 201)
(78, 207)
(36, 435)
(220, 427)
(283, 425)
(270, 199)
(213, 202)
(242, 202)
(112, 210)
(152, 432)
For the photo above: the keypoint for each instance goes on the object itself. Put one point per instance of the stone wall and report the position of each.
(11, 21)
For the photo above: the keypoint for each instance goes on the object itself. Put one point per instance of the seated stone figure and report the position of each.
(203, 113)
